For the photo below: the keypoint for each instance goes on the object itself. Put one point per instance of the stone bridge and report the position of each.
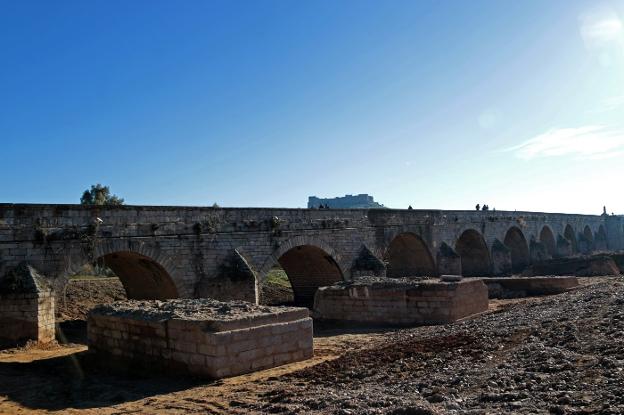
(226, 253)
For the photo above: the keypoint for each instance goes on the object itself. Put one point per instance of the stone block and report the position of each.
(203, 338)
(403, 302)
(26, 307)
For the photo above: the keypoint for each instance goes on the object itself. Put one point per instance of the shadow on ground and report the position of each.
(77, 381)
(324, 328)
(72, 331)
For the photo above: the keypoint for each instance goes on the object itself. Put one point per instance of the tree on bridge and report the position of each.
(100, 195)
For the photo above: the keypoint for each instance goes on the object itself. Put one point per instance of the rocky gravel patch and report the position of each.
(273, 294)
(562, 354)
(80, 296)
(187, 309)
(380, 282)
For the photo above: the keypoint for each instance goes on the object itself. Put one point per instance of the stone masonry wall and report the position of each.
(191, 244)
(425, 302)
(25, 317)
(26, 307)
(203, 347)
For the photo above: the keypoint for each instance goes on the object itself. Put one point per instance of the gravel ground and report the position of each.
(273, 294)
(82, 295)
(562, 354)
(381, 282)
(187, 309)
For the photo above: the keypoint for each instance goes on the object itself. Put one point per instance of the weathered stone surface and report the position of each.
(388, 301)
(449, 262)
(201, 337)
(367, 264)
(517, 287)
(26, 307)
(235, 280)
(169, 252)
(581, 266)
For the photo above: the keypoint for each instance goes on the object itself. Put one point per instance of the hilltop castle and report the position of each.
(361, 201)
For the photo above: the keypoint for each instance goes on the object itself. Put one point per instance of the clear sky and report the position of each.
(440, 104)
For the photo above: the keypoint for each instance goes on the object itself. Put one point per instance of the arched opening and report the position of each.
(308, 268)
(519, 249)
(115, 276)
(408, 256)
(601, 239)
(276, 288)
(474, 254)
(547, 238)
(569, 234)
(142, 277)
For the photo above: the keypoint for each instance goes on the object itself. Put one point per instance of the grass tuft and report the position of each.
(277, 276)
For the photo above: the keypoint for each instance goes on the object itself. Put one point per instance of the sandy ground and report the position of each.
(350, 366)
(61, 379)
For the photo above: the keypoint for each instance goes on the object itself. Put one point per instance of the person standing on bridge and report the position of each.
(478, 207)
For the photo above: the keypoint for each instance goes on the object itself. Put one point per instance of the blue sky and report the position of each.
(437, 104)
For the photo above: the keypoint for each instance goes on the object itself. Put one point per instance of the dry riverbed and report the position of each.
(561, 354)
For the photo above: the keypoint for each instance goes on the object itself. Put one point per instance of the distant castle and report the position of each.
(361, 201)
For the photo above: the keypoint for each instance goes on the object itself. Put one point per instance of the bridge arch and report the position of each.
(309, 264)
(474, 254)
(518, 247)
(142, 277)
(547, 238)
(570, 235)
(408, 255)
(145, 272)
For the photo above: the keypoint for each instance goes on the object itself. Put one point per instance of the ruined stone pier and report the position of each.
(27, 307)
(200, 337)
(401, 302)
